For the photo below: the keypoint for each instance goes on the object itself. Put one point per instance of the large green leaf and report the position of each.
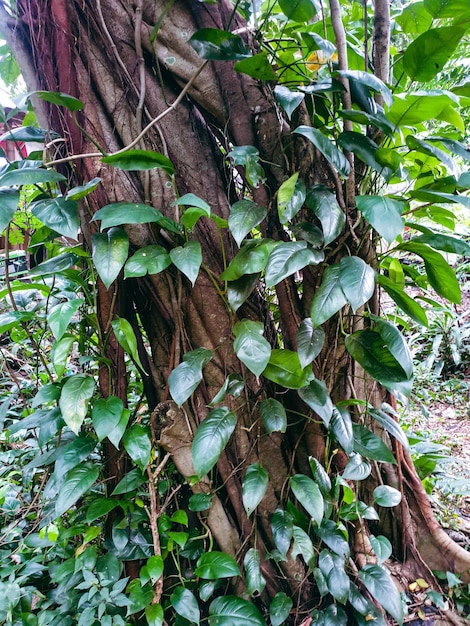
(74, 399)
(214, 565)
(320, 476)
(273, 415)
(323, 203)
(9, 200)
(77, 193)
(244, 216)
(239, 290)
(327, 148)
(61, 316)
(332, 567)
(254, 487)
(446, 243)
(309, 495)
(188, 259)
(288, 99)
(218, 45)
(290, 198)
(136, 441)
(407, 304)
(258, 66)
(255, 581)
(415, 19)
(419, 145)
(387, 496)
(368, 349)
(73, 454)
(284, 369)
(329, 298)
(250, 346)
(287, 258)
(106, 415)
(310, 341)
(184, 379)
(300, 10)
(140, 160)
(234, 611)
(357, 469)
(341, 428)
(317, 398)
(185, 604)
(30, 176)
(57, 264)
(391, 425)
(248, 157)
(357, 280)
(382, 588)
(250, 259)
(335, 537)
(382, 548)
(283, 528)
(383, 214)
(211, 437)
(76, 483)
(421, 106)
(369, 445)
(364, 148)
(150, 259)
(29, 134)
(426, 56)
(59, 214)
(370, 81)
(126, 338)
(109, 254)
(280, 608)
(120, 213)
(447, 8)
(61, 99)
(10, 319)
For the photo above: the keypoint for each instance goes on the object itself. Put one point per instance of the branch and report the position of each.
(381, 43)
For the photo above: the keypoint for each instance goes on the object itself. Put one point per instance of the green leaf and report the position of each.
(288, 99)
(118, 431)
(310, 341)
(250, 346)
(257, 66)
(131, 481)
(154, 615)
(329, 298)
(320, 476)
(287, 258)
(185, 378)
(136, 441)
(341, 428)
(447, 8)
(284, 369)
(387, 496)
(191, 200)
(61, 99)
(155, 568)
(356, 468)
(444, 243)
(290, 198)
(327, 210)
(55, 265)
(413, 108)
(131, 160)
(244, 216)
(335, 537)
(77, 193)
(415, 19)
(303, 546)
(370, 81)
(254, 487)
(234, 611)
(390, 425)
(299, 10)
(279, 608)
(317, 398)
(74, 399)
(255, 581)
(188, 259)
(60, 353)
(59, 214)
(214, 565)
(191, 216)
(233, 385)
(149, 259)
(424, 147)
(73, 454)
(200, 502)
(248, 157)
(185, 604)
(440, 275)
(283, 529)
(120, 213)
(109, 252)
(273, 415)
(239, 290)
(382, 548)
(30, 176)
(335, 616)
(407, 305)
(383, 214)
(14, 318)
(357, 280)
(327, 148)
(368, 349)
(426, 56)
(365, 149)
(29, 134)
(76, 483)
(61, 316)
(9, 200)
(382, 588)
(211, 437)
(332, 568)
(99, 508)
(126, 338)
(218, 45)
(309, 495)
(369, 445)
(251, 259)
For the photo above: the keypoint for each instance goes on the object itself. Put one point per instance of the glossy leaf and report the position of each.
(138, 160)
(149, 259)
(126, 338)
(309, 495)
(284, 369)
(191, 200)
(310, 341)
(211, 437)
(320, 476)
(341, 428)
(234, 611)
(288, 99)
(9, 200)
(154, 615)
(327, 148)
(73, 454)
(76, 483)
(218, 45)
(382, 548)
(214, 565)
(383, 214)
(283, 529)
(300, 10)
(370, 81)
(61, 316)
(185, 378)
(254, 487)
(334, 537)
(413, 108)
(382, 588)
(415, 19)
(61, 99)
(74, 399)
(137, 444)
(185, 604)
(250, 259)
(233, 385)
(59, 214)
(329, 298)
(316, 396)
(290, 198)
(287, 258)
(446, 243)
(323, 203)
(250, 346)
(239, 290)
(426, 56)
(365, 149)
(356, 468)
(332, 567)
(258, 66)
(244, 216)
(255, 581)
(109, 254)
(357, 280)
(99, 508)
(407, 304)
(280, 608)
(303, 546)
(200, 502)
(425, 147)
(30, 176)
(58, 263)
(131, 481)
(273, 415)
(120, 213)
(77, 193)
(390, 425)
(370, 446)
(387, 496)
(188, 259)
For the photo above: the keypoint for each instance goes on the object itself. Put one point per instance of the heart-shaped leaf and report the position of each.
(109, 254)
(211, 437)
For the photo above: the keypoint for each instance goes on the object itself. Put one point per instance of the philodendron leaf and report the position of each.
(76, 483)
(214, 565)
(426, 56)
(74, 399)
(30, 176)
(309, 341)
(9, 200)
(254, 487)
(185, 378)
(258, 66)
(273, 415)
(316, 396)
(287, 258)
(127, 339)
(288, 99)
(250, 346)
(322, 201)
(300, 10)
(284, 369)
(106, 415)
(387, 496)
(185, 604)
(219, 45)
(211, 437)
(136, 441)
(255, 581)
(59, 214)
(369, 445)
(329, 298)
(341, 428)
(357, 469)
(309, 495)
(382, 588)
(383, 214)
(140, 160)
(357, 280)
(250, 259)
(61, 316)
(244, 216)
(279, 608)
(290, 198)
(188, 259)
(61, 99)
(391, 425)
(382, 548)
(77, 193)
(149, 259)
(327, 148)
(234, 611)
(109, 254)
(282, 525)
(119, 213)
